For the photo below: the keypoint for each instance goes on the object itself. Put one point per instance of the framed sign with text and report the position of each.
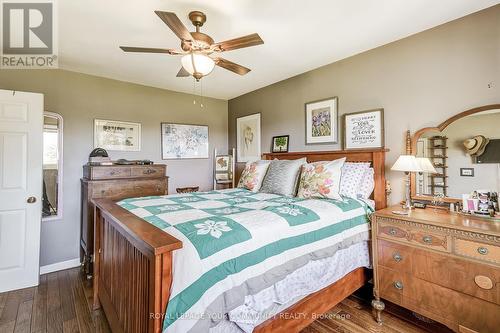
(364, 129)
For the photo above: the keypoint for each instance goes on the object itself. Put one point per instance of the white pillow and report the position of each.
(352, 176)
(253, 175)
(367, 184)
(321, 179)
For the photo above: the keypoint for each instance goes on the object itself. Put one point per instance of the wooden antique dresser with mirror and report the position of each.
(114, 182)
(442, 264)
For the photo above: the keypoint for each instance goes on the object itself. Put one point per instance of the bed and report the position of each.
(143, 287)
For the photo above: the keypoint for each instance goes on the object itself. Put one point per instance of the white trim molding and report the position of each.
(59, 266)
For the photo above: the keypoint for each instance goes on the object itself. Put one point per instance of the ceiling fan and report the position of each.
(200, 52)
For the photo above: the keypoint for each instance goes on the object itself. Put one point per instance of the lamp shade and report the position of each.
(426, 165)
(197, 63)
(407, 163)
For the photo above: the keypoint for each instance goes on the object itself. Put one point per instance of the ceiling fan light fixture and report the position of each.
(197, 64)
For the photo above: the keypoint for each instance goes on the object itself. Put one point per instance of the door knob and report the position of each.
(31, 200)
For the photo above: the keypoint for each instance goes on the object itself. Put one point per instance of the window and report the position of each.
(52, 166)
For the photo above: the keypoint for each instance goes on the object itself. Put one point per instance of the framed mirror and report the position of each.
(465, 152)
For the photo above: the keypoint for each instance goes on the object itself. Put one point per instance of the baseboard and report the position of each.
(59, 266)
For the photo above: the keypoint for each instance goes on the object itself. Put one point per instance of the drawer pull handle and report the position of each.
(398, 285)
(112, 173)
(427, 239)
(397, 257)
(482, 250)
(149, 171)
(392, 231)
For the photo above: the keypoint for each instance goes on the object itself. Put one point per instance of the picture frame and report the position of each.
(248, 133)
(322, 121)
(184, 141)
(117, 135)
(467, 172)
(364, 129)
(280, 144)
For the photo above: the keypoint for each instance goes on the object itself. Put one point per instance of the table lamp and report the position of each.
(407, 164)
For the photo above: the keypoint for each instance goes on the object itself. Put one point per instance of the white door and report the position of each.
(21, 125)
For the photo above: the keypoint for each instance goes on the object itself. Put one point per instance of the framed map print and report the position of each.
(181, 141)
(248, 138)
(364, 129)
(117, 135)
(321, 121)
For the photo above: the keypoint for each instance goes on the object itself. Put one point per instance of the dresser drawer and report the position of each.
(477, 250)
(394, 256)
(148, 171)
(415, 236)
(391, 284)
(110, 172)
(128, 189)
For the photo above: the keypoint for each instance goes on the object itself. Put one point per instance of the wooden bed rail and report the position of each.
(133, 269)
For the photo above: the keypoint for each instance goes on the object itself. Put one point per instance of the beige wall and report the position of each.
(81, 98)
(419, 81)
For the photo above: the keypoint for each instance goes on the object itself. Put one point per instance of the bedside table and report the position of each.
(442, 265)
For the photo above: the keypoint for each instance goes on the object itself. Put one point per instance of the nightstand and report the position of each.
(445, 266)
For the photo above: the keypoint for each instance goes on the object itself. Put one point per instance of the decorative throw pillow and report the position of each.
(321, 179)
(352, 176)
(367, 185)
(253, 175)
(282, 177)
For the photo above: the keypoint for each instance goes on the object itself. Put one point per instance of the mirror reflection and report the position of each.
(51, 165)
(466, 156)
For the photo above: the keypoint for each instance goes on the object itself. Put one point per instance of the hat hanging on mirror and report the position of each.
(476, 145)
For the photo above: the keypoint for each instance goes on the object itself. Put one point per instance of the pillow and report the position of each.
(367, 184)
(282, 177)
(352, 176)
(321, 179)
(253, 175)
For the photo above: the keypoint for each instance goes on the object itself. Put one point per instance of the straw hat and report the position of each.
(476, 145)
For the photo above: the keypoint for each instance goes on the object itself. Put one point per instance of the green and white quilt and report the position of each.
(236, 243)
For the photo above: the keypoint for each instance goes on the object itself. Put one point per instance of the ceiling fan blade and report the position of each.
(175, 24)
(183, 73)
(231, 66)
(149, 50)
(238, 43)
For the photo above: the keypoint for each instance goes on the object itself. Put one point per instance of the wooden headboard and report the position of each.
(375, 156)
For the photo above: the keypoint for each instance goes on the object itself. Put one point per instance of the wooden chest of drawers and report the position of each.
(441, 265)
(115, 182)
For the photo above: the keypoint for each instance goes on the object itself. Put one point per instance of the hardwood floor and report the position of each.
(62, 303)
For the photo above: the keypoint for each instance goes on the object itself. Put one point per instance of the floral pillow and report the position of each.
(253, 175)
(352, 176)
(367, 185)
(321, 179)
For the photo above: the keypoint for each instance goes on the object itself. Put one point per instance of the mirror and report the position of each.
(459, 169)
(52, 166)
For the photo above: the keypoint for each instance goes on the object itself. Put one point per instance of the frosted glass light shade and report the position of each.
(197, 63)
(426, 165)
(407, 163)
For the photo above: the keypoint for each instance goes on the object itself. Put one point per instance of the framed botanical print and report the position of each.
(321, 121)
(182, 141)
(248, 138)
(364, 129)
(280, 144)
(117, 135)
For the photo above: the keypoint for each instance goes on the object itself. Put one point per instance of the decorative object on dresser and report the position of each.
(442, 265)
(450, 156)
(224, 168)
(248, 138)
(180, 141)
(114, 182)
(321, 121)
(363, 130)
(189, 189)
(280, 144)
(117, 135)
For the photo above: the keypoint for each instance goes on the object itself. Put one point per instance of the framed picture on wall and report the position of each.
(364, 129)
(117, 135)
(321, 121)
(183, 141)
(248, 138)
(280, 144)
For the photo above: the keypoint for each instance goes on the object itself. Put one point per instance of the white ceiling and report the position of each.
(90, 32)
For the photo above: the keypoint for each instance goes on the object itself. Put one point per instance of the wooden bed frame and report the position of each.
(133, 263)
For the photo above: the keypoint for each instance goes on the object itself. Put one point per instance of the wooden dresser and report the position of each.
(442, 265)
(114, 182)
